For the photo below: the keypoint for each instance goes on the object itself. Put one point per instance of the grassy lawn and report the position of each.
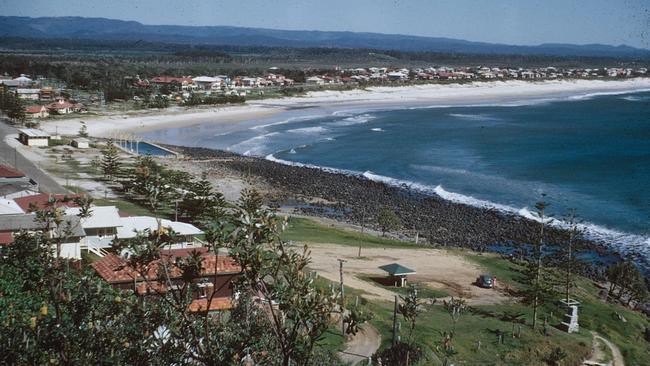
(484, 323)
(125, 206)
(305, 230)
(594, 313)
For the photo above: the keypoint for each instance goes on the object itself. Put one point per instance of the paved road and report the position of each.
(11, 156)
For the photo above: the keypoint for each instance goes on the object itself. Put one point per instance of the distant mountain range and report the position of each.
(111, 29)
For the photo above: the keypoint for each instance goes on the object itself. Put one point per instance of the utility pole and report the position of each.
(395, 321)
(341, 261)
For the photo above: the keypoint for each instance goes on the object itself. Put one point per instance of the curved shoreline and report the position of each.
(355, 199)
(233, 118)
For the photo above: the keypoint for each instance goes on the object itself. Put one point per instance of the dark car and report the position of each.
(485, 281)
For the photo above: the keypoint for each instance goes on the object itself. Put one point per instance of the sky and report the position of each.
(522, 22)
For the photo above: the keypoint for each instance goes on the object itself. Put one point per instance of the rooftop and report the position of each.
(132, 225)
(40, 201)
(32, 132)
(396, 269)
(9, 172)
(115, 269)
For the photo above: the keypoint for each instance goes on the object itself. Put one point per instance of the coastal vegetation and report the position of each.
(434, 334)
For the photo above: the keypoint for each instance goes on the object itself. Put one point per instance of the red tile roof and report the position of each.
(169, 79)
(41, 200)
(6, 238)
(114, 269)
(9, 172)
(34, 109)
(218, 303)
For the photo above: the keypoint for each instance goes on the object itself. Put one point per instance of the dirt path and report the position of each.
(436, 269)
(599, 355)
(363, 345)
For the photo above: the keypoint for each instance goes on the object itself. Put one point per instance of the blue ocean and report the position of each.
(589, 152)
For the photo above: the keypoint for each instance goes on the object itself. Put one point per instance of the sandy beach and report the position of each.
(484, 93)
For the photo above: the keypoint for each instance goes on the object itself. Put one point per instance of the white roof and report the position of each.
(137, 224)
(8, 207)
(204, 79)
(100, 216)
(19, 194)
(28, 91)
(23, 78)
(32, 132)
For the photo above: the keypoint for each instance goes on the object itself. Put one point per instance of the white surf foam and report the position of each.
(473, 117)
(604, 93)
(377, 129)
(309, 130)
(252, 146)
(633, 98)
(354, 120)
(624, 243)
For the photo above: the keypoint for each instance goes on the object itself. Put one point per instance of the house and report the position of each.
(105, 225)
(62, 106)
(81, 143)
(14, 183)
(33, 137)
(100, 227)
(9, 207)
(204, 82)
(184, 83)
(186, 234)
(36, 111)
(69, 229)
(19, 82)
(397, 76)
(28, 94)
(314, 80)
(46, 93)
(9, 174)
(214, 280)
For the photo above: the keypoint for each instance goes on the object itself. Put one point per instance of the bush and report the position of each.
(397, 354)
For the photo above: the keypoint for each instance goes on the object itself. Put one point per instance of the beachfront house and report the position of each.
(62, 106)
(36, 111)
(214, 281)
(187, 235)
(315, 80)
(33, 137)
(105, 225)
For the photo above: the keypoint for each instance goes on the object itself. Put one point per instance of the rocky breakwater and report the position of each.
(356, 199)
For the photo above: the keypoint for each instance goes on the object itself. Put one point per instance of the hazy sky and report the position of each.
(504, 21)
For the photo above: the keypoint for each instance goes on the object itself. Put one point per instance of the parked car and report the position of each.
(485, 281)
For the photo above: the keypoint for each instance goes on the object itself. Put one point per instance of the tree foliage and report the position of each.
(110, 162)
(56, 311)
(387, 221)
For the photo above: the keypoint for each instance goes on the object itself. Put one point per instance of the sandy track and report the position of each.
(361, 346)
(436, 269)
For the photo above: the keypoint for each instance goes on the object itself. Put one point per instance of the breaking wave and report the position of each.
(621, 242)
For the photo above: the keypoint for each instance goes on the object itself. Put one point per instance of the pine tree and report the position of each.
(201, 203)
(539, 280)
(110, 163)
